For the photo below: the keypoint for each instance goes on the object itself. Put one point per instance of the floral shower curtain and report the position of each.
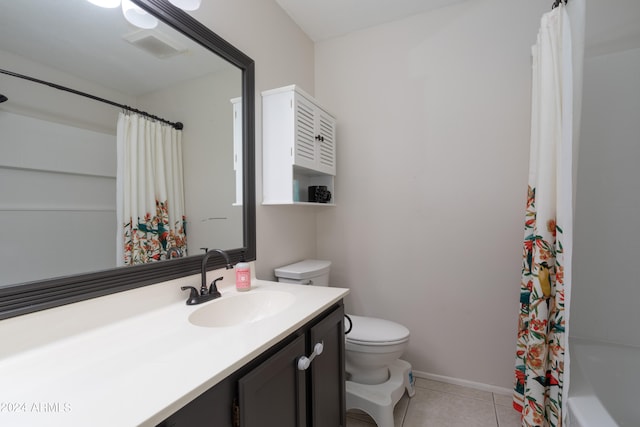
(151, 217)
(541, 372)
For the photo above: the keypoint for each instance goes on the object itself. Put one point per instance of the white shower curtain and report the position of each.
(150, 190)
(542, 349)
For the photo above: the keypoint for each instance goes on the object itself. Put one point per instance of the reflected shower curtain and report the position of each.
(150, 190)
(541, 373)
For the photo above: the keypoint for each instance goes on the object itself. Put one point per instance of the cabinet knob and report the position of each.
(304, 362)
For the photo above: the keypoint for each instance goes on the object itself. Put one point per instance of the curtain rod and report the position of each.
(176, 125)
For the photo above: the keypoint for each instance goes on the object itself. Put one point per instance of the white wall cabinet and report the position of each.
(237, 147)
(299, 146)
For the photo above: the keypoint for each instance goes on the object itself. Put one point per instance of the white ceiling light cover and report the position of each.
(186, 4)
(109, 4)
(137, 16)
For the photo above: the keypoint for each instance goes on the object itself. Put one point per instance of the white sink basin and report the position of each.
(241, 308)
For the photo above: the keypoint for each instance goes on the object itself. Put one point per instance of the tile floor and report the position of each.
(438, 404)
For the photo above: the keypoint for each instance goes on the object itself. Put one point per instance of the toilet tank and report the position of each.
(308, 272)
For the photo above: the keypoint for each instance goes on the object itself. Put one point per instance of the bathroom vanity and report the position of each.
(272, 390)
(137, 358)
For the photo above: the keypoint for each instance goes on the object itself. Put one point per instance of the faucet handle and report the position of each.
(193, 296)
(213, 289)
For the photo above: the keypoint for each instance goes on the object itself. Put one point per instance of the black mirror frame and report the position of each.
(34, 296)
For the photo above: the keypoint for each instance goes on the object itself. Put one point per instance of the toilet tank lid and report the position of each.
(374, 330)
(304, 269)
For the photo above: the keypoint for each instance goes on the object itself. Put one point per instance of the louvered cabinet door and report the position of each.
(306, 144)
(315, 146)
(325, 143)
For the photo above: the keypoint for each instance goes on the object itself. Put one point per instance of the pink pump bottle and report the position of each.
(243, 276)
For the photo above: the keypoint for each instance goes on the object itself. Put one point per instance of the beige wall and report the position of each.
(606, 249)
(433, 146)
(204, 106)
(283, 55)
(605, 285)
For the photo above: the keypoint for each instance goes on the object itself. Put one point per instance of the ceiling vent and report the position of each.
(155, 43)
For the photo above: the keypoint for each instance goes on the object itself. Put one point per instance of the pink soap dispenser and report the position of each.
(243, 276)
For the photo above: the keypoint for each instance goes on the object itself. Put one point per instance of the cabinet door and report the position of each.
(273, 394)
(211, 408)
(306, 144)
(315, 145)
(328, 406)
(326, 142)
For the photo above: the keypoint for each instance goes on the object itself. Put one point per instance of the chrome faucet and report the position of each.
(212, 292)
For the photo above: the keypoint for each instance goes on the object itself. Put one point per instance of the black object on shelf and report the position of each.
(319, 194)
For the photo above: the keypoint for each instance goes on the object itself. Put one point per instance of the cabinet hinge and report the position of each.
(235, 413)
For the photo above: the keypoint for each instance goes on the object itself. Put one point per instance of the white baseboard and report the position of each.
(464, 383)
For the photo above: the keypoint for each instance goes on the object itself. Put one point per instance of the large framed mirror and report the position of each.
(57, 149)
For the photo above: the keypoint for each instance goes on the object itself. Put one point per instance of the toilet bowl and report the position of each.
(376, 377)
(371, 346)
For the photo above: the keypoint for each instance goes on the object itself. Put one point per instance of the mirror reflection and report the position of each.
(59, 157)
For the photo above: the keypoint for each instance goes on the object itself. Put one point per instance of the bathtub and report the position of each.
(604, 389)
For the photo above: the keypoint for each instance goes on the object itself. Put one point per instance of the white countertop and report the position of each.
(132, 358)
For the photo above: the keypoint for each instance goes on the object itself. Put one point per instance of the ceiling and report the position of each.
(612, 25)
(325, 19)
(95, 44)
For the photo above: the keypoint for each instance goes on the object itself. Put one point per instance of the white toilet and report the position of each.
(376, 377)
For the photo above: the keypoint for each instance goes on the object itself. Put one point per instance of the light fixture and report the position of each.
(109, 4)
(186, 4)
(138, 16)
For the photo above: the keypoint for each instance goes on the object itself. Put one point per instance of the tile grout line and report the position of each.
(460, 394)
(495, 410)
(404, 415)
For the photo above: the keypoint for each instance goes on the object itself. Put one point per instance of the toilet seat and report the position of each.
(376, 343)
(376, 332)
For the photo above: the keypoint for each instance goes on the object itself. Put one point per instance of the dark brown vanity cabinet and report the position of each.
(273, 391)
(326, 391)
